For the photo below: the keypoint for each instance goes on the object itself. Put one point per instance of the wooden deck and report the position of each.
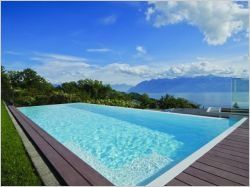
(70, 169)
(226, 164)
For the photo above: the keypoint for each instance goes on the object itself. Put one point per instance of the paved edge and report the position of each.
(44, 172)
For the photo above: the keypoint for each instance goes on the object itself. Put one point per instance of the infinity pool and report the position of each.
(127, 146)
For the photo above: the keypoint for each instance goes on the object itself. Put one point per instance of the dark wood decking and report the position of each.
(70, 168)
(226, 164)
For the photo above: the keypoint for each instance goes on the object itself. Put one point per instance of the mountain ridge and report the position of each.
(208, 83)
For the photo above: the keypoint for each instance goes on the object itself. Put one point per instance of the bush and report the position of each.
(41, 100)
(28, 88)
(25, 101)
(58, 98)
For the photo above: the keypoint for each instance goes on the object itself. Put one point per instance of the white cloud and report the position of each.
(59, 68)
(140, 50)
(109, 20)
(149, 13)
(139, 70)
(197, 69)
(235, 67)
(217, 20)
(101, 50)
(57, 57)
(12, 53)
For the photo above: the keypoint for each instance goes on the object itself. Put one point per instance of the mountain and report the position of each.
(121, 87)
(56, 84)
(208, 83)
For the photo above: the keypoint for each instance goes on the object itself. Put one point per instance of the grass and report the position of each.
(16, 168)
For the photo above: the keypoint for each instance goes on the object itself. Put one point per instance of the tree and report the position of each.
(70, 87)
(168, 101)
(31, 80)
(6, 86)
(15, 78)
(29, 88)
(236, 105)
(145, 101)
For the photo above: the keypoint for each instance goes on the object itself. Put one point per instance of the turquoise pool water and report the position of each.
(127, 146)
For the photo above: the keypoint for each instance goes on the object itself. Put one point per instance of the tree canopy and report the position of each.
(27, 88)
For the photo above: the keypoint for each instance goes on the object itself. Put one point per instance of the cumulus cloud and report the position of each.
(59, 68)
(235, 67)
(100, 50)
(217, 20)
(197, 69)
(109, 20)
(142, 71)
(140, 50)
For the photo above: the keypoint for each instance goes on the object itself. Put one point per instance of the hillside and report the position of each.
(187, 84)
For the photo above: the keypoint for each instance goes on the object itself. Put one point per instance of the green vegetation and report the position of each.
(236, 105)
(27, 88)
(17, 169)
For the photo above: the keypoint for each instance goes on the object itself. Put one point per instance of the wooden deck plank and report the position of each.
(232, 157)
(234, 144)
(237, 133)
(193, 181)
(234, 153)
(221, 173)
(65, 165)
(240, 135)
(225, 164)
(84, 169)
(176, 182)
(209, 177)
(245, 126)
(227, 161)
(238, 139)
(241, 132)
(225, 167)
(64, 168)
(236, 149)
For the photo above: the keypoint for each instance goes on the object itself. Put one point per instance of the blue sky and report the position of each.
(125, 42)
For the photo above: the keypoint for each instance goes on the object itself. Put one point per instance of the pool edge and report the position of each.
(140, 109)
(47, 176)
(225, 133)
(72, 170)
(184, 164)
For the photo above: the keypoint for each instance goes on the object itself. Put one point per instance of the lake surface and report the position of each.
(215, 99)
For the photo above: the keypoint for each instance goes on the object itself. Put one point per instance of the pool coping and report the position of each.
(226, 164)
(181, 166)
(148, 110)
(41, 167)
(177, 169)
(66, 166)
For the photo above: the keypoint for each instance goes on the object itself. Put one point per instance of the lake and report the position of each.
(215, 99)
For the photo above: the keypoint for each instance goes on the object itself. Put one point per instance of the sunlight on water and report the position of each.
(129, 174)
(127, 146)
